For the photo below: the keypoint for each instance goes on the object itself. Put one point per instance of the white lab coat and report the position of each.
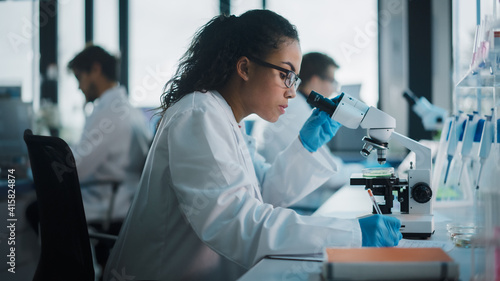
(208, 207)
(113, 147)
(273, 138)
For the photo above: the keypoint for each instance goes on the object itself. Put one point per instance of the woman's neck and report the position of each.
(230, 92)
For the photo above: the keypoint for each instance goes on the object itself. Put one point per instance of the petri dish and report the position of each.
(460, 225)
(452, 232)
(463, 240)
(378, 172)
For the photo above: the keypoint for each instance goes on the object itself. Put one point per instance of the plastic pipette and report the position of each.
(452, 144)
(375, 204)
(468, 140)
(486, 142)
(477, 137)
(455, 132)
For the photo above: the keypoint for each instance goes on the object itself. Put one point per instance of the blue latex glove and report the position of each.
(380, 231)
(318, 130)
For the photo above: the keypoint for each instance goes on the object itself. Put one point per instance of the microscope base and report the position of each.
(415, 226)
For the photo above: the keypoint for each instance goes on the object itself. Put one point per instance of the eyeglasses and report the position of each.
(291, 79)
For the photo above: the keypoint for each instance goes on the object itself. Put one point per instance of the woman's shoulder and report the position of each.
(197, 101)
(197, 107)
(204, 104)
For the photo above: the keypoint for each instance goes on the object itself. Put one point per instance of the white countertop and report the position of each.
(351, 202)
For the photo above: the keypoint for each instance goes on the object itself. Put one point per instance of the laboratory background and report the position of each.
(433, 65)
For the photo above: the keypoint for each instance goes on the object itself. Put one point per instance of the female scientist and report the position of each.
(208, 207)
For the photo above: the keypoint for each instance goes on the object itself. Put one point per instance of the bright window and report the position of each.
(20, 34)
(345, 30)
(160, 32)
(71, 40)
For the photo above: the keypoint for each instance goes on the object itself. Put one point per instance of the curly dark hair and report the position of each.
(217, 46)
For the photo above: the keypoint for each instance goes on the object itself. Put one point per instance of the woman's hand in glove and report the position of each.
(318, 130)
(380, 231)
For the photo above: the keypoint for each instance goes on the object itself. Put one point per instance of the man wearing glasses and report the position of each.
(317, 73)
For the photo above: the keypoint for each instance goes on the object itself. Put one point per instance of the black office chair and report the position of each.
(65, 245)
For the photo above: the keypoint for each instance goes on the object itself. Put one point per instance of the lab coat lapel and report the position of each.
(245, 156)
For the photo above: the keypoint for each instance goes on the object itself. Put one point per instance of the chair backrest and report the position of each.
(65, 245)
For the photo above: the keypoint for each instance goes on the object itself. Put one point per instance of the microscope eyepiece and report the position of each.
(325, 104)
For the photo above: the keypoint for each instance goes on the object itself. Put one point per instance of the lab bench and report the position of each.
(351, 202)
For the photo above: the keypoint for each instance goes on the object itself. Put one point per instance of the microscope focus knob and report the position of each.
(421, 192)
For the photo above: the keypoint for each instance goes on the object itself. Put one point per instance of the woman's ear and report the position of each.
(242, 68)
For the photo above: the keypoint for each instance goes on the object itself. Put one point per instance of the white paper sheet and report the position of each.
(409, 243)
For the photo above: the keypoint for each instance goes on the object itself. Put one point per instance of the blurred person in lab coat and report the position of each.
(209, 207)
(115, 138)
(112, 148)
(317, 73)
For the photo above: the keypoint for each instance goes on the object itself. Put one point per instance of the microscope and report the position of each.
(414, 193)
(432, 116)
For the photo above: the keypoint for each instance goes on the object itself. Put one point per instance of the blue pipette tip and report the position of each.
(447, 170)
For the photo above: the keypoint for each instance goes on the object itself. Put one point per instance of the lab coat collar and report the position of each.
(111, 93)
(117, 92)
(227, 108)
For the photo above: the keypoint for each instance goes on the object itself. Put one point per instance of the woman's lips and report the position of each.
(282, 108)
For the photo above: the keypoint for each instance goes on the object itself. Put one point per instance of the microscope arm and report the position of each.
(422, 152)
(353, 113)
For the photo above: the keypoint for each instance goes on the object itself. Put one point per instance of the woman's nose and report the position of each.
(291, 93)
